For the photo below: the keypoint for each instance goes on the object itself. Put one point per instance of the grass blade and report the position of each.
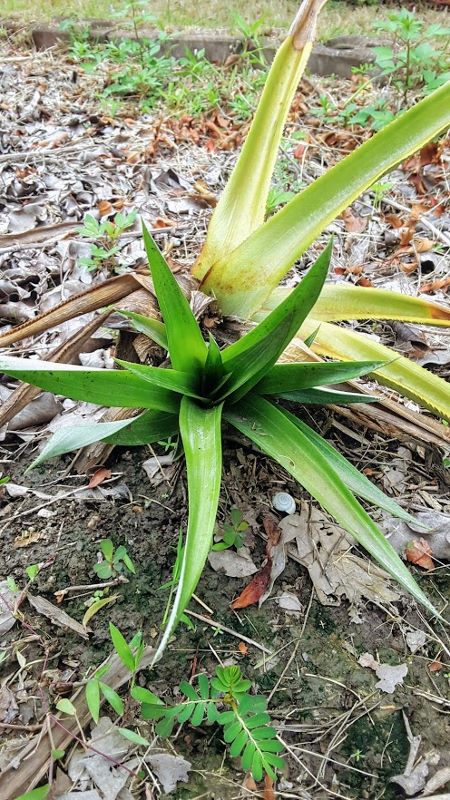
(106, 387)
(201, 435)
(292, 377)
(187, 347)
(276, 435)
(401, 374)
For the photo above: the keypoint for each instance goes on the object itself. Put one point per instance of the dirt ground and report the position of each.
(346, 735)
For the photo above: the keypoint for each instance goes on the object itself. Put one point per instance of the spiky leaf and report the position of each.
(201, 436)
(276, 435)
(187, 348)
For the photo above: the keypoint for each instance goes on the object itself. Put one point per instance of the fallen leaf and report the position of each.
(162, 222)
(55, 614)
(8, 705)
(390, 676)
(98, 477)
(27, 537)
(255, 589)
(415, 640)
(290, 603)
(433, 526)
(423, 245)
(97, 606)
(419, 552)
(299, 151)
(413, 782)
(434, 286)
(326, 551)
(109, 780)
(104, 208)
(440, 778)
(275, 552)
(249, 785)
(353, 223)
(169, 769)
(235, 565)
(272, 532)
(394, 220)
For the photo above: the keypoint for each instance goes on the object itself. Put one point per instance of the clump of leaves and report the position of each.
(106, 234)
(130, 653)
(233, 532)
(206, 386)
(415, 61)
(114, 562)
(223, 700)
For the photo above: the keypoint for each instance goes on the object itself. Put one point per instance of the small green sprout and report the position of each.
(233, 533)
(115, 561)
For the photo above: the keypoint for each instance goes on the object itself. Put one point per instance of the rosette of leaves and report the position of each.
(240, 386)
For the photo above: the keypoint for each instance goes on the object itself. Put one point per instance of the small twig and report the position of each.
(333, 761)
(225, 629)
(61, 593)
(16, 727)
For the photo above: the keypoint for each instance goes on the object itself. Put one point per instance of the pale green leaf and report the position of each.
(133, 737)
(242, 206)
(66, 707)
(151, 426)
(96, 606)
(400, 373)
(92, 692)
(122, 648)
(241, 280)
(352, 477)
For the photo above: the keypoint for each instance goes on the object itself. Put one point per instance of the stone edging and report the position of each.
(336, 57)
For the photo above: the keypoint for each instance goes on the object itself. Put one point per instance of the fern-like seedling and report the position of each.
(223, 700)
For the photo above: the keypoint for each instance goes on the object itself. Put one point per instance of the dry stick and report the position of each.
(36, 154)
(66, 352)
(61, 593)
(36, 754)
(311, 774)
(225, 629)
(333, 761)
(15, 727)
